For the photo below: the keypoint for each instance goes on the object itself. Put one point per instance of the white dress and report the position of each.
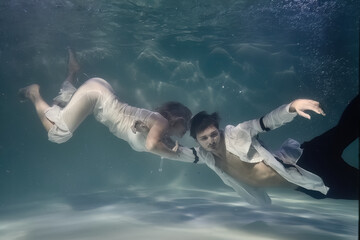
(96, 96)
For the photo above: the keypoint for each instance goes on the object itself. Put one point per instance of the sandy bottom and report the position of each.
(178, 214)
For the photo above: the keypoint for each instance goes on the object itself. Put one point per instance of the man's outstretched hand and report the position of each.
(302, 105)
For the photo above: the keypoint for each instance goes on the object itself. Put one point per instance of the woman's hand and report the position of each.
(155, 139)
(302, 105)
(176, 147)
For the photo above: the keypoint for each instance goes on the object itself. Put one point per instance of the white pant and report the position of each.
(95, 96)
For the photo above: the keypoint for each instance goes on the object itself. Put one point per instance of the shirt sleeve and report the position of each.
(270, 121)
(277, 117)
(185, 154)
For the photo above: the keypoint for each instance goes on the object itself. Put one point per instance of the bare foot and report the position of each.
(31, 92)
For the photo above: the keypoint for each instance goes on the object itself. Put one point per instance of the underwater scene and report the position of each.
(240, 58)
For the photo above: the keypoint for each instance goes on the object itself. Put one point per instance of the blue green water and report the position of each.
(240, 58)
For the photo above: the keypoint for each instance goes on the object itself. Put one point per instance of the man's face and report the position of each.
(209, 139)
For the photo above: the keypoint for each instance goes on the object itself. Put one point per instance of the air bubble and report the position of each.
(161, 165)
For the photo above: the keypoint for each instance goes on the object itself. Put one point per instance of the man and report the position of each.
(315, 167)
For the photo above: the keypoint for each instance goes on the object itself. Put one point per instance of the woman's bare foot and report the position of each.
(31, 92)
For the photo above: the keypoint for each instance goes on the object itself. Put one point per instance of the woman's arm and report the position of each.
(154, 143)
(183, 154)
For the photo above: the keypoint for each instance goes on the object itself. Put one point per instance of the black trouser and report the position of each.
(322, 156)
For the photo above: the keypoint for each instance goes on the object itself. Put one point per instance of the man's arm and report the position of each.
(286, 113)
(301, 105)
(282, 115)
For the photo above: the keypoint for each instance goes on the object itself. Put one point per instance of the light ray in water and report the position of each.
(180, 214)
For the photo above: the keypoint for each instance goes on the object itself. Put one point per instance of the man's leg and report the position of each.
(343, 134)
(322, 156)
(347, 129)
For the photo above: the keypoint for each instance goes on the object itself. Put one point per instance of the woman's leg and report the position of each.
(73, 68)
(61, 123)
(32, 92)
(67, 87)
(84, 101)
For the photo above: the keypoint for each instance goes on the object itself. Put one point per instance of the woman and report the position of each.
(144, 130)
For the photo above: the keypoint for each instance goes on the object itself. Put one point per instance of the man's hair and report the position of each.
(171, 109)
(203, 120)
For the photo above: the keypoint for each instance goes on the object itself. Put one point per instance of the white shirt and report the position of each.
(241, 140)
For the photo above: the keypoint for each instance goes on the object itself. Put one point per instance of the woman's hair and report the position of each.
(203, 120)
(169, 110)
